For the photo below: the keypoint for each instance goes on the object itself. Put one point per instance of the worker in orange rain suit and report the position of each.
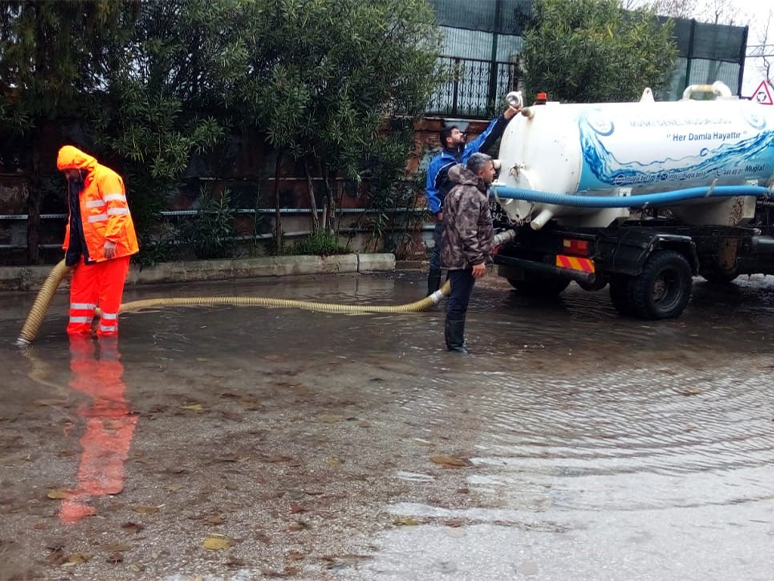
(99, 240)
(109, 425)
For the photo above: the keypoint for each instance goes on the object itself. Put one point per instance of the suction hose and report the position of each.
(414, 307)
(38, 312)
(638, 201)
(40, 306)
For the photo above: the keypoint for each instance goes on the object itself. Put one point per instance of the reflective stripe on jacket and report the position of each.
(104, 211)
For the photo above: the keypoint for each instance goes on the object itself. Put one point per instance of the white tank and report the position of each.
(621, 149)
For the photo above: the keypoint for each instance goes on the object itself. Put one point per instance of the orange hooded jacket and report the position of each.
(104, 212)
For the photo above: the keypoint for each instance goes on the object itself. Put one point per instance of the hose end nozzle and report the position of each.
(436, 297)
(514, 99)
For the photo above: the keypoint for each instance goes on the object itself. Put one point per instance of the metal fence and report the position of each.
(474, 89)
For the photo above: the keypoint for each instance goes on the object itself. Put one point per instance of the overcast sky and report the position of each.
(752, 13)
(755, 14)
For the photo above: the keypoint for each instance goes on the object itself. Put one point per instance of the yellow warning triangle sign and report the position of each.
(762, 94)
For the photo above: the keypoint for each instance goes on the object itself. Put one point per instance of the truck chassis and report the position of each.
(648, 262)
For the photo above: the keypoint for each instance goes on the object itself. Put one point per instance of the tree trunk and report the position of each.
(330, 201)
(312, 201)
(277, 213)
(34, 198)
(339, 202)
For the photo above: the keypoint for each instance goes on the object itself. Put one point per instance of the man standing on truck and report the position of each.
(454, 151)
(468, 236)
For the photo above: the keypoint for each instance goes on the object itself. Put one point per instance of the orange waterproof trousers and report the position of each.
(97, 285)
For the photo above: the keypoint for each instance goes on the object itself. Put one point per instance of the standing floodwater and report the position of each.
(572, 444)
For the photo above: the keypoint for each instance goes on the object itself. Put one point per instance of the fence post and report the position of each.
(689, 56)
(492, 96)
(456, 85)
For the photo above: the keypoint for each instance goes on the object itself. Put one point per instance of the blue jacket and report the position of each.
(438, 184)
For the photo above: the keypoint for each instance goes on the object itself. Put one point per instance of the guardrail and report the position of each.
(248, 211)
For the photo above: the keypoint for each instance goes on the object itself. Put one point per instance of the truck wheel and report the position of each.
(663, 288)
(539, 286)
(620, 295)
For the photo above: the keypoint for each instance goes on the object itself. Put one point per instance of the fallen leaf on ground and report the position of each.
(405, 521)
(57, 494)
(298, 526)
(133, 527)
(145, 509)
(117, 547)
(450, 461)
(214, 519)
(76, 559)
(115, 558)
(296, 507)
(216, 543)
(196, 407)
(57, 557)
(234, 562)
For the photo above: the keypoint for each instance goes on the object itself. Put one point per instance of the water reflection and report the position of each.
(109, 424)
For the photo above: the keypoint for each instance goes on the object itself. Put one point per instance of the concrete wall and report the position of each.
(32, 277)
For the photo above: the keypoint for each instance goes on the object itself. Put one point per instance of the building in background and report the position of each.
(483, 42)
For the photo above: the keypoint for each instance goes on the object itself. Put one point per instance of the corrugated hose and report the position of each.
(38, 312)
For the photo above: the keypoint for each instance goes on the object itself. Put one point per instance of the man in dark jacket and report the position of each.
(454, 151)
(467, 239)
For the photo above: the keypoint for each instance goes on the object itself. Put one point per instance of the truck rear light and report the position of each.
(574, 246)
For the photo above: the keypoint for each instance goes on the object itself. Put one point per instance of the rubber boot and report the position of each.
(433, 281)
(455, 336)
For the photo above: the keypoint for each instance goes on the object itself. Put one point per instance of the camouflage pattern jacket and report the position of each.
(468, 233)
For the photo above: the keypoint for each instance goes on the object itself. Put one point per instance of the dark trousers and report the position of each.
(434, 274)
(462, 282)
(461, 288)
(435, 252)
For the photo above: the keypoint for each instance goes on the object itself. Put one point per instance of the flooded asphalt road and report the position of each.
(247, 443)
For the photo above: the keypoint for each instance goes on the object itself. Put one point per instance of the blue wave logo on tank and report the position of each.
(755, 153)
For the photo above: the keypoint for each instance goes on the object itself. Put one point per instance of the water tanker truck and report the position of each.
(639, 196)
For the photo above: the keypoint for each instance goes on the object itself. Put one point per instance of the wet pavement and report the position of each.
(248, 443)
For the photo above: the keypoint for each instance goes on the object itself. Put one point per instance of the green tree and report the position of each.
(138, 79)
(52, 54)
(165, 100)
(584, 51)
(325, 76)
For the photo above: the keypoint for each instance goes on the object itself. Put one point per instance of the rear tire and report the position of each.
(535, 285)
(663, 289)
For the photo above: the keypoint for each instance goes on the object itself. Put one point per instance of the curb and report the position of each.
(30, 278)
